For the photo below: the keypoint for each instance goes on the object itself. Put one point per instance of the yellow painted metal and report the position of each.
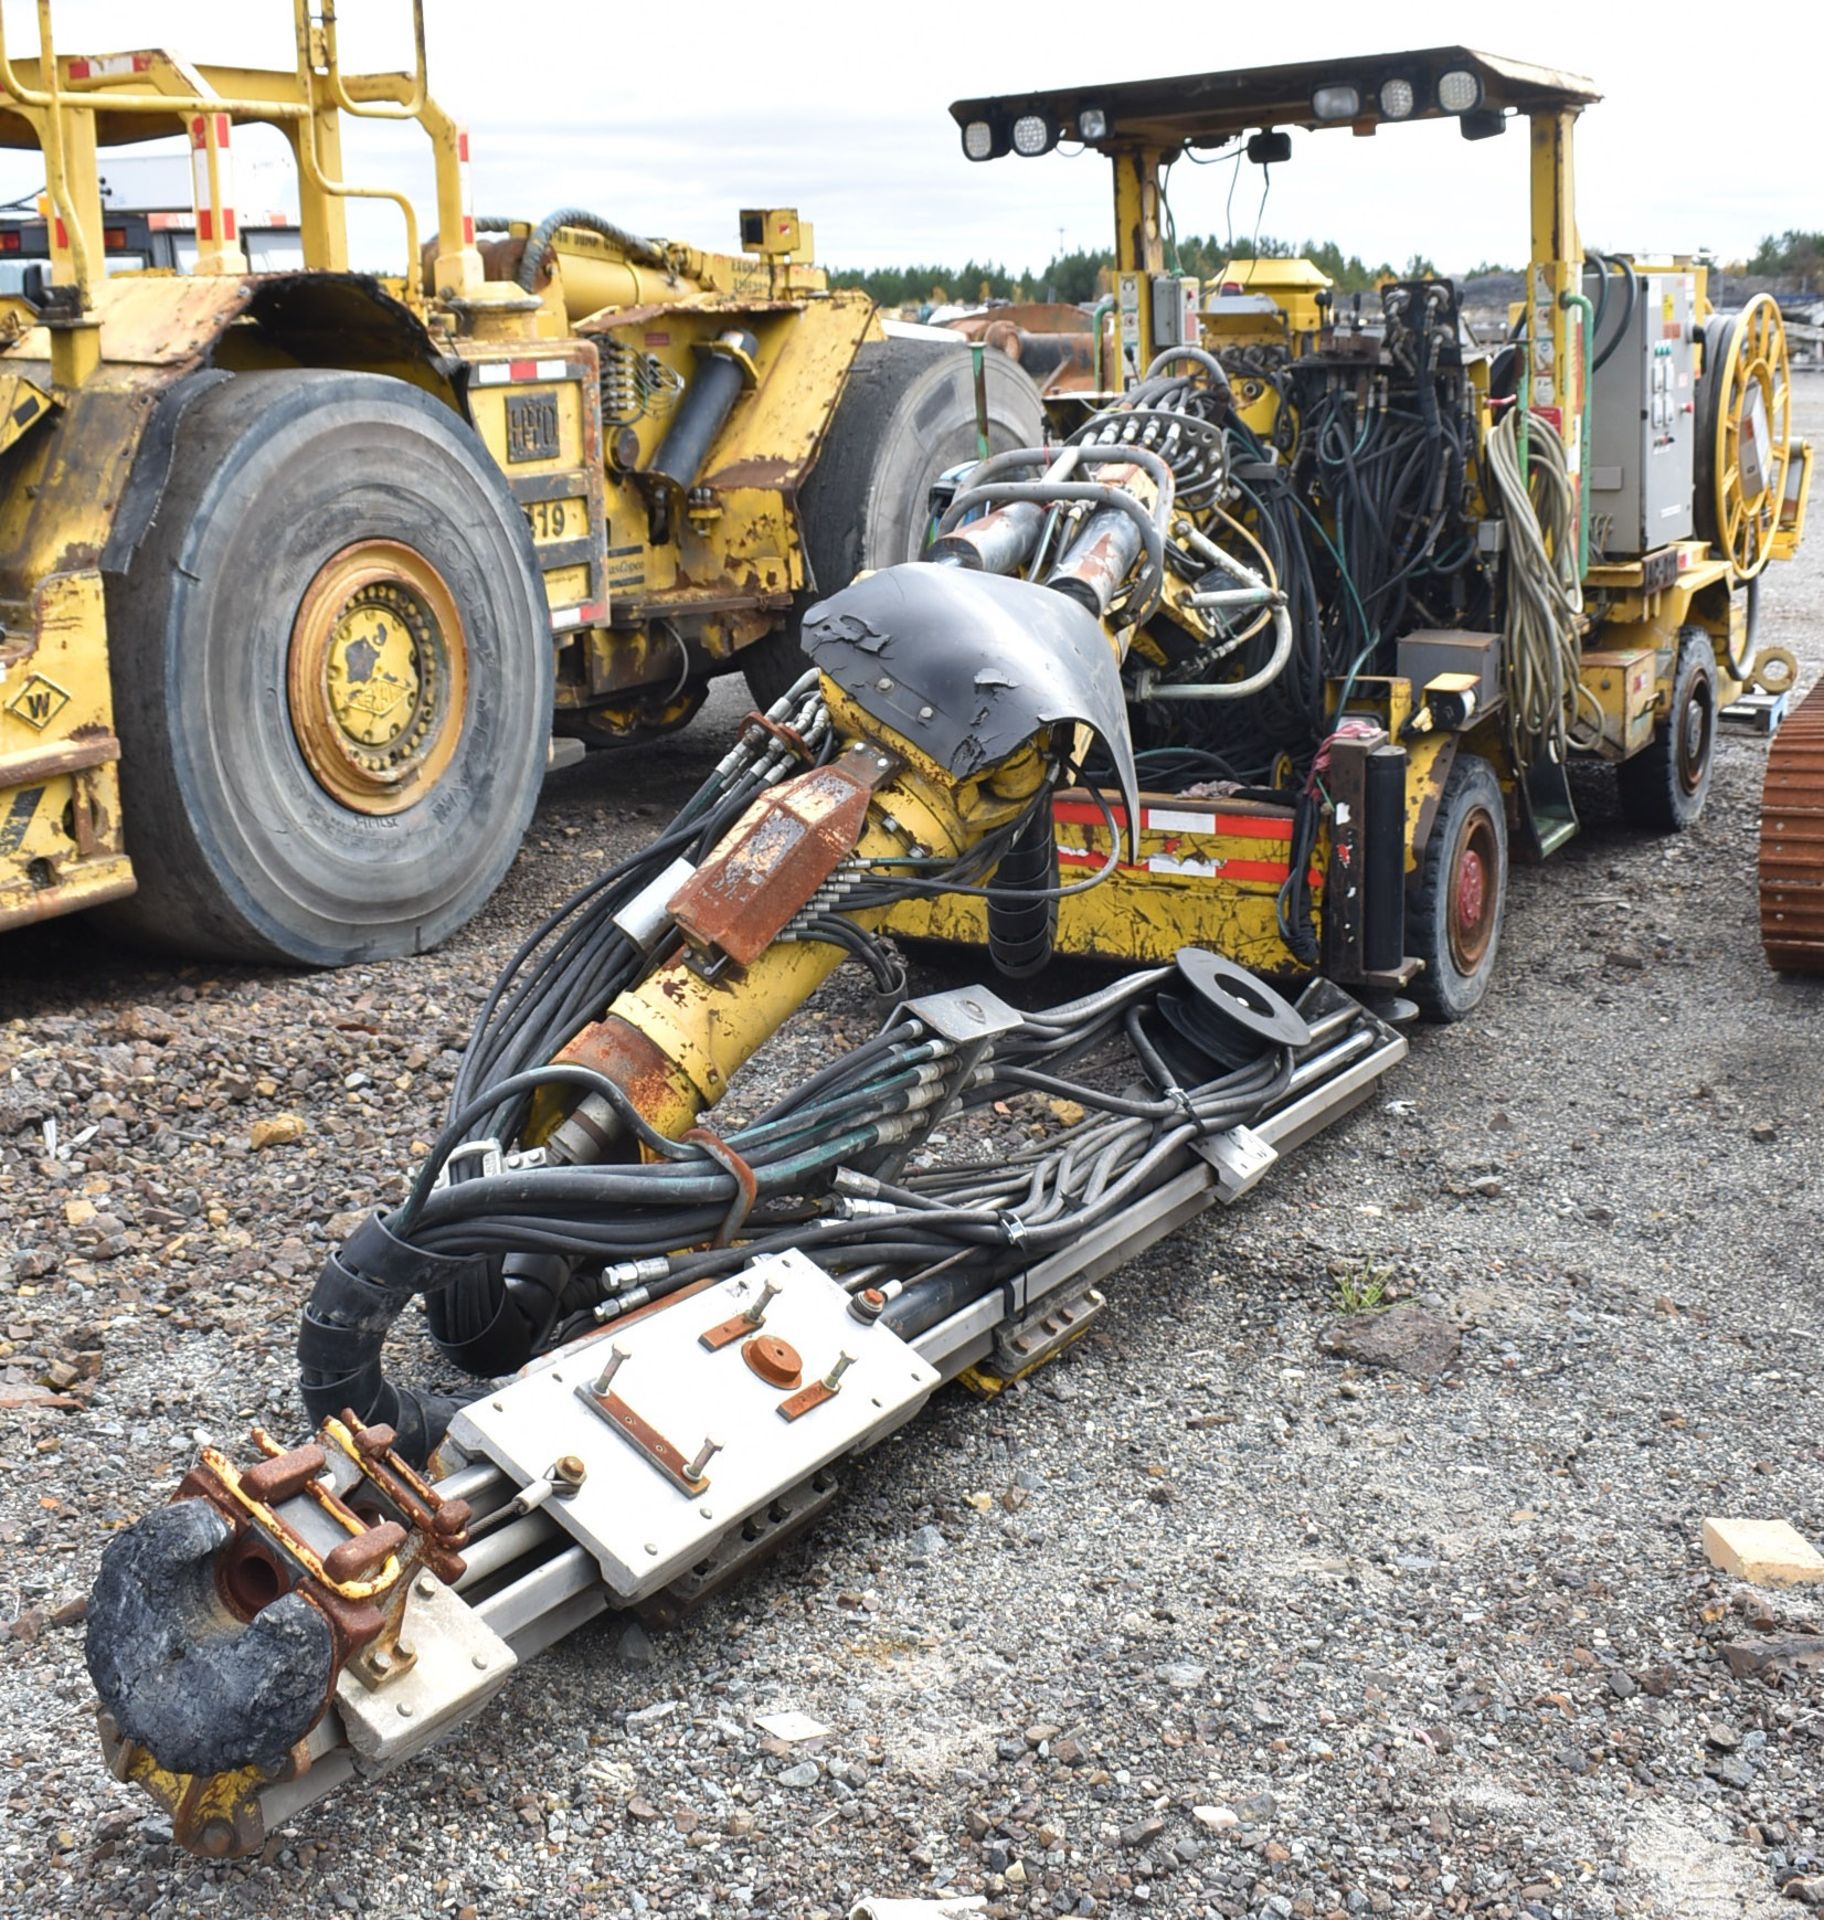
(60, 831)
(23, 405)
(217, 250)
(1294, 286)
(707, 1028)
(213, 1813)
(1429, 759)
(376, 677)
(719, 577)
(1208, 874)
(719, 569)
(1555, 364)
(1791, 528)
(144, 95)
(1753, 407)
(1621, 681)
(1139, 253)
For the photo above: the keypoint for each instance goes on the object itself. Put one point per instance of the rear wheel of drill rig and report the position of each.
(1453, 919)
(332, 676)
(906, 416)
(1664, 786)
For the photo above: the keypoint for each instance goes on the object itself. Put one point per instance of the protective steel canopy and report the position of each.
(1210, 109)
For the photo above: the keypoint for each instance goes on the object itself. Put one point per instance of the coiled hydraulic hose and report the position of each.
(1544, 590)
(541, 237)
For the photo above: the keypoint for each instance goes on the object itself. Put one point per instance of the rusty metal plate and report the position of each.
(774, 858)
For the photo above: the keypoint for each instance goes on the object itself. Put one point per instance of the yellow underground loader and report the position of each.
(299, 571)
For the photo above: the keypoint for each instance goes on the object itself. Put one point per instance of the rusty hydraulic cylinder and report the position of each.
(999, 542)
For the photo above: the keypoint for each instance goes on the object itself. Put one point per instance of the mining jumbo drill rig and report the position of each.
(1190, 683)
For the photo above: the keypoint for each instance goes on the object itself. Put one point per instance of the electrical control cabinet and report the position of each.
(1641, 461)
(1175, 322)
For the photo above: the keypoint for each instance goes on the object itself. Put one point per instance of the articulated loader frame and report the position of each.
(652, 412)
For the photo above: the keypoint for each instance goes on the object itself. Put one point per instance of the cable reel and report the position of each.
(1744, 433)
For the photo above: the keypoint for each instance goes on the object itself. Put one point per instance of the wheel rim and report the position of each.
(376, 676)
(1694, 737)
(1754, 364)
(1475, 878)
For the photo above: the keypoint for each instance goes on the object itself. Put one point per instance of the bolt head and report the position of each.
(404, 1709)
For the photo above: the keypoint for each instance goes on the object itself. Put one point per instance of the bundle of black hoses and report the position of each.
(934, 1238)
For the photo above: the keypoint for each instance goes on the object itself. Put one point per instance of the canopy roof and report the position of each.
(1210, 109)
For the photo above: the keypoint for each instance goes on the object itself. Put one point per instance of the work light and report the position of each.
(1337, 102)
(1396, 98)
(1092, 124)
(1032, 135)
(978, 140)
(1459, 90)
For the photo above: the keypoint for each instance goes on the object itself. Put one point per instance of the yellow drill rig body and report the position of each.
(1503, 557)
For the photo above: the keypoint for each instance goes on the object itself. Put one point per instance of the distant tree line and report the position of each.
(1789, 256)
(1085, 273)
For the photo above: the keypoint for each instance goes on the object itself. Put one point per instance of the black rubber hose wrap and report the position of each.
(362, 1290)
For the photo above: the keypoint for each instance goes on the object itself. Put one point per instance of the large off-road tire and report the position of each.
(1455, 910)
(332, 676)
(906, 415)
(1664, 786)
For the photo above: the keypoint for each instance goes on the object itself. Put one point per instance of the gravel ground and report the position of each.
(1203, 1620)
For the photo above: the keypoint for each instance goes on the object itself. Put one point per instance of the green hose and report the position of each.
(1103, 306)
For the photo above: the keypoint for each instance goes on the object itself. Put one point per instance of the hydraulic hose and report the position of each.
(541, 236)
(1632, 279)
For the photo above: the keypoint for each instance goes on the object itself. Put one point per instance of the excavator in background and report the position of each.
(300, 569)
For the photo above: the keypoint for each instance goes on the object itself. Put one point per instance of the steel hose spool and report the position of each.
(1744, 433)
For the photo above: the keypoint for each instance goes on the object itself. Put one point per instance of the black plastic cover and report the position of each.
(201, 1691)
(970, 666)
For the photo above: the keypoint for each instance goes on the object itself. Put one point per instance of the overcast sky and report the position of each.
(670, 117)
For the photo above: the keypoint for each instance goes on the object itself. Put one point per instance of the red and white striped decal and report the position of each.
(501, 373)
(1175, 822)
(111, 66)
(468, 192)
(594, 615)
(224, 173)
